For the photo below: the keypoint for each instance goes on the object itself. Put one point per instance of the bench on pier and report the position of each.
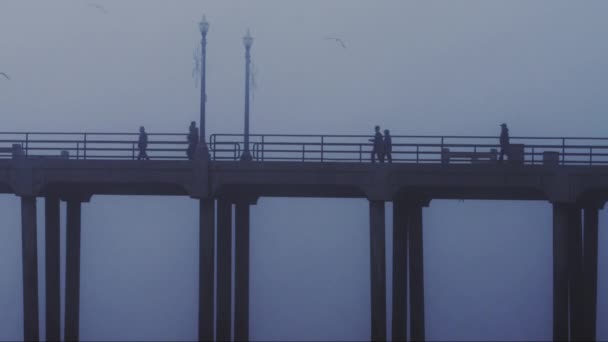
(16, 150)
(515, 155)
(473, 157)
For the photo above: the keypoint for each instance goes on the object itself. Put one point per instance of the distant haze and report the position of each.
(432, 67)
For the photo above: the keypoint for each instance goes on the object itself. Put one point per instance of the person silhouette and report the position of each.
(192, 140)
(378, 146)
(388, 146)
(142, 144)
(504, 142)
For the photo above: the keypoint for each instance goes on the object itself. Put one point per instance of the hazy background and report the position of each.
(416, 67)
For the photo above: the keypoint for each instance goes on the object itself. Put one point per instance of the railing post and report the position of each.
(77, 150)
(303, 151)
(133, 151)
(360, 153)
(590, 155)
(532, 155)
(563, 151)
(417, 154)
(322, 147)
(263, 145)
(213, 144)
(85, 146)
(27, 143)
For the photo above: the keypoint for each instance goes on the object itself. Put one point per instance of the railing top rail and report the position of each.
(408, 136)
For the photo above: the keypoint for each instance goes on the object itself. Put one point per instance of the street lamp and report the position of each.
(247, 41)
(202, 149)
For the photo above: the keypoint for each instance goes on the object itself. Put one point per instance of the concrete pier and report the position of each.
(29, 248)
(224, 270)
(575, 270)
(378, 270)
(72, 271)
(206, 302)
(53, 291)
(414, 220)
(241, 271)
(590, 272)
(560, 272)
(400, 261)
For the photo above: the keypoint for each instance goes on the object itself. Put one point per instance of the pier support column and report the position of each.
(72, 275)
(206, 269)
(399, 317)
(29, 249)
(414, 221)
(560, 272)
(378, 270)
(575, 271)
(53, 292)
(224, 270)
(590, 272)
(241, 271)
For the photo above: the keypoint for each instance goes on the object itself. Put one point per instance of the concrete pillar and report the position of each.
(29, 248)
(378, 270)
(399, 317)
(417, 332)
(241, 272)
(575, 271)
(224, 270)
(206, 303)
(53, 304)
(590, 273)
(560, 272)
(72, 272)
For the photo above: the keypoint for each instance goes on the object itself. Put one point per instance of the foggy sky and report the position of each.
(432, 67)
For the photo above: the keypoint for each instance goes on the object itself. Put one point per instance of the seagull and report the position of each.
(99, 7)
(5, 75)
(337, 40)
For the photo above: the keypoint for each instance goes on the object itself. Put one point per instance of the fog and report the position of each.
(432, 67)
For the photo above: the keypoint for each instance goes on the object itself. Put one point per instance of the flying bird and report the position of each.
(337, 40)
(99, 7)
(5, 75)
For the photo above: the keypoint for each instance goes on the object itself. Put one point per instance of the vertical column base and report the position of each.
(72, 277)
(400, 260)
(224, 270)
(378, 270)
(418, 332)
(29, 248)
(206, 269)
(53, 304)
(241, 272)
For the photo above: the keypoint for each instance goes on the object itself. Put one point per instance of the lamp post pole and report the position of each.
(203, 149)
(247, 41)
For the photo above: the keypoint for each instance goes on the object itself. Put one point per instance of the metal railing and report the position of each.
(414, 148)
(306, 148)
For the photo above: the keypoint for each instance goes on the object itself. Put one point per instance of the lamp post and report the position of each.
(202, 149)
(247, 41)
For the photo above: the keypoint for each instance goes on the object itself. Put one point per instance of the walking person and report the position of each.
(504, 142)
(388, 146)
(378, 146)
(142, 144)
(192, 140)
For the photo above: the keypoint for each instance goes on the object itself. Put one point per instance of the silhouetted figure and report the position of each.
(192, 140)
(142, 144)
(504, 142)
(388, 146)
(378, 149)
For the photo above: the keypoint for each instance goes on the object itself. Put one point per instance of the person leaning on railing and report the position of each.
(192, 140)
(504, 142)
(378, 147)
(142, 144)
(388, 146)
